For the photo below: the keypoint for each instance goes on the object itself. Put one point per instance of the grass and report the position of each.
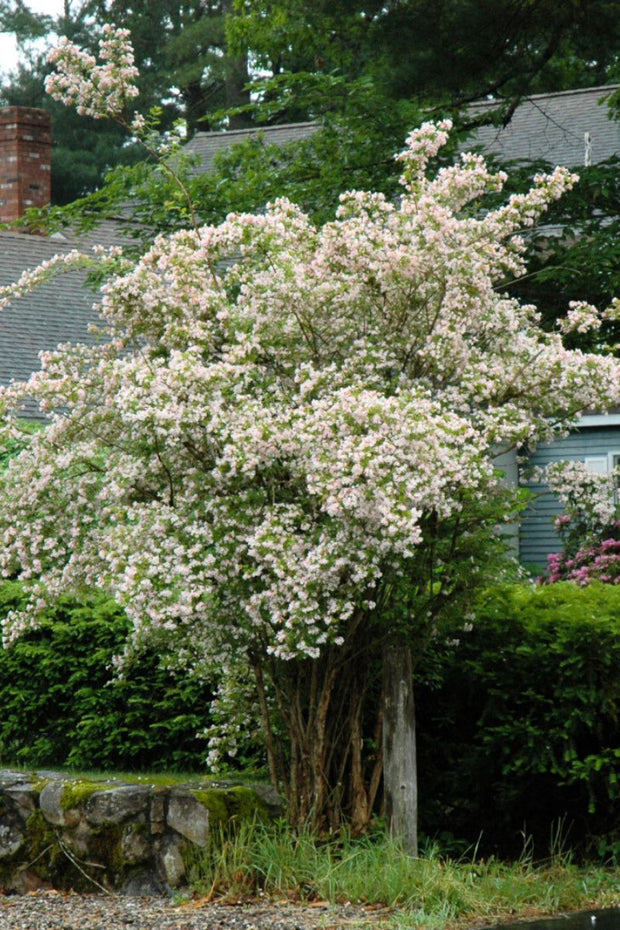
(159, 778)
(279, 863)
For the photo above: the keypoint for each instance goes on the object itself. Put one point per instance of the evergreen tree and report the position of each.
(186, 73)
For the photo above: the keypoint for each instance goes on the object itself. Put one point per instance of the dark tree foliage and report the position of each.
(193, 57)
(438, 50)
(183, 55)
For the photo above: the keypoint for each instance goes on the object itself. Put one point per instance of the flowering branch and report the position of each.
(105, 91)
(101, 91)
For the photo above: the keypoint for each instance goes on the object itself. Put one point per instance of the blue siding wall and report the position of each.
(537, 535)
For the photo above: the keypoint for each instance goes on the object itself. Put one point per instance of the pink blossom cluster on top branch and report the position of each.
(100, 91)
(284, 415)
(107, 90)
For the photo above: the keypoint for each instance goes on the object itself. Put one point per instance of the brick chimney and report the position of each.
(25, 160)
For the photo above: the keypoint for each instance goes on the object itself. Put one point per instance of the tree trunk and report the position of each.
(399, 748)
(236, 80)
(328, 708)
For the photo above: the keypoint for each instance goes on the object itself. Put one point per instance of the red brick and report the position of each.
(25, 160)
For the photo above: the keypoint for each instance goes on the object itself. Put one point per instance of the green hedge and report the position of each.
(518, 716)
(519, 722)
(61, 703)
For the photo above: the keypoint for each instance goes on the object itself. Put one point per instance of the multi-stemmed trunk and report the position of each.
(339, 724)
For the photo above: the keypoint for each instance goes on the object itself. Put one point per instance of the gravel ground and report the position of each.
(49, 910)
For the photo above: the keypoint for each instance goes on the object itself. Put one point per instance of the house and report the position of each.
(569, 127)
(596, 442)
(206, 145)
(61, 310)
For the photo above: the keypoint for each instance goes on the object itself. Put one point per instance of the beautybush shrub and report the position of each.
(62, 703)
(518, 720)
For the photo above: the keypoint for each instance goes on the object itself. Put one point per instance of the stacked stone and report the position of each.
(93, 836)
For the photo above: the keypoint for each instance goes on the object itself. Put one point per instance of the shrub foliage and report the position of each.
(518, 717)
(519, 721)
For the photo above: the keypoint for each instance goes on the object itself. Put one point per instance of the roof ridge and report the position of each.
(251, 129)
(601, 88)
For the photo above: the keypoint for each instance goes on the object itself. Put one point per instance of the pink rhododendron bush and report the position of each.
(283, 423)
(596, 560)
(589, 527)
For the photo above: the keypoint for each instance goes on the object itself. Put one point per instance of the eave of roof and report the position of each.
(568, 128)
(206, 145)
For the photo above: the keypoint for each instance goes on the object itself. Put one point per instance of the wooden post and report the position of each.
(399, 748)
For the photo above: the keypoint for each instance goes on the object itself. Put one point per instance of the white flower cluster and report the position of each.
(586, 495)
(581, 317)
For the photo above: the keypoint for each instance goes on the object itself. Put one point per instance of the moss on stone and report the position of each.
(59, 864)
(225, 804)
(76, 793)
(214, 799)
(105, 846)
(43, 848)
(110, 852)
(38, 783)
(247, 804)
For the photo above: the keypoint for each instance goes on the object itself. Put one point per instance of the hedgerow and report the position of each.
(64, 704)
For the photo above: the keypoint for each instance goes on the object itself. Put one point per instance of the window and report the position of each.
(614, 463)
(603, 465)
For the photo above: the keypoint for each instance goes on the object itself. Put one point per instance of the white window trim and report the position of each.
(598, 419)
(614, 462)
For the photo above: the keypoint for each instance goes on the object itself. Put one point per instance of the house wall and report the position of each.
(538, 536)
(507, 463)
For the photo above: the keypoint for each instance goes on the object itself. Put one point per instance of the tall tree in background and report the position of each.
(193, 58)
(450, 51)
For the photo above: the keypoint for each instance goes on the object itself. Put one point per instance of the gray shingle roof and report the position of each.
(553, 127)
(59, 311)
(207, 144)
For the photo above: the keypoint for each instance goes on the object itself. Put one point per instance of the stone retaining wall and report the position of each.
(90, 835)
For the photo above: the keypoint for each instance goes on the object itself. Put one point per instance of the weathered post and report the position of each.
(399, 748)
